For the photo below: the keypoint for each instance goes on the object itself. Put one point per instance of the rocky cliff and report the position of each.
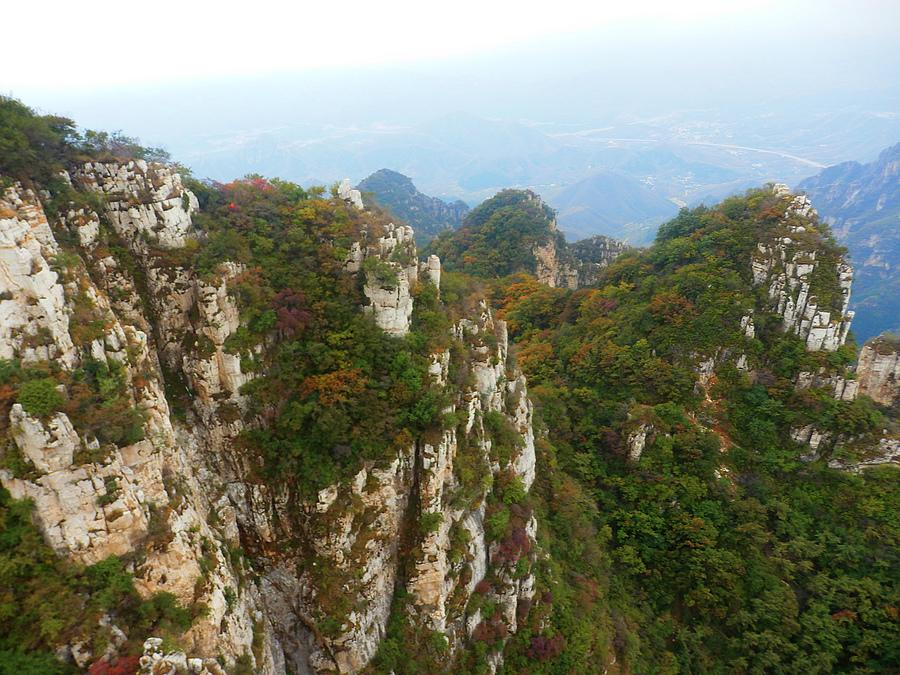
(788, 265)
(878, 370)
(793, 266)
(288, 583)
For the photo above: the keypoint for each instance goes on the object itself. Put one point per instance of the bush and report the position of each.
(40, 397)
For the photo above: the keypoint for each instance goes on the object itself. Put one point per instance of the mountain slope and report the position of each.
(612, 204)
(244, 429)
(427, 215)
(701, 397)
(515, 231)
(862, 202)
(238, 424)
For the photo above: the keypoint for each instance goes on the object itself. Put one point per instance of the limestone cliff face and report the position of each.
(33, 298)
(785, 266)
(94, 500)
(292, 584)
(388, 282)
(447, 572)
(878, 370)
(574, 265)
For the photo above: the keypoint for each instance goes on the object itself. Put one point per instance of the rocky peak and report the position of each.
(515, 231)
(878, 370)
(786, 264)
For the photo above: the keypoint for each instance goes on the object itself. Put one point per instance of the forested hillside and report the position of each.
(246, 429)
(515, 231)
(671, 396)
(428, 216)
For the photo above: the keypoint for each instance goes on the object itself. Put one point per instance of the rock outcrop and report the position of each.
(389, 279)
(347, 192)
(574, 265)
(878, 370)
(145, 203)
(786, 264)
(34, 324)
(324, 571)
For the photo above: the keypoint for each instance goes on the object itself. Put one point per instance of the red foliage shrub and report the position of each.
(120, 665)
(490, 631)
(522, 609)
(514, 546)
(483, 587)
(543, 648)
(293, 312)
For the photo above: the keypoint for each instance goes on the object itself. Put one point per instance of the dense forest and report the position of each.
(717, 549)
(680, 528)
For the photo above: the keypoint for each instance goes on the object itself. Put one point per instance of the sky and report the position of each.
(153, 42)
(78, 46)
(306, 89)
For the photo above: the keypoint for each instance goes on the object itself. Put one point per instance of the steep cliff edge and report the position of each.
(283, 579)
(878, 370)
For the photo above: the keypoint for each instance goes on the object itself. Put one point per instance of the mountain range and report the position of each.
(612, 204)
(248, 428)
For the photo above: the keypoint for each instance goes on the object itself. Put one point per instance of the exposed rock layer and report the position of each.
(186, 499)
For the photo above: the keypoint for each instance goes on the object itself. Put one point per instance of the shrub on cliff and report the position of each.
(40, 397)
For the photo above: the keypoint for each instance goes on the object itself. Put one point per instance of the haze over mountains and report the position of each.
(688, 125)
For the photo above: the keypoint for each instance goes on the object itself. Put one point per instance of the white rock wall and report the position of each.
(785, 266)
(878, 371)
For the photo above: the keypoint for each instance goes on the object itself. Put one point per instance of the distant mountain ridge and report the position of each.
(428, 215)
(862, 204)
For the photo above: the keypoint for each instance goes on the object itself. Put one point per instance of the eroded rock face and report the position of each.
(878, 370)
(887, 451)
(786, 266)
(347, 192)
(447, 571)
(550, 269)
(572, 266)
(389, 281)
(34, 323)
(186, 500)
(92, 500)
(145, 203)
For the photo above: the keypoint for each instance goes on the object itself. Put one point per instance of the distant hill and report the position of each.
(427, 215)
(613, 204)
(862, 204)
(515, 231)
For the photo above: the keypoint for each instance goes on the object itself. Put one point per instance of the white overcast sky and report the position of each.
(101, 43)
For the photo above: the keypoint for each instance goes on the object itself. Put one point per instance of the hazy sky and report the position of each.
(66, 46)
(258, 85)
